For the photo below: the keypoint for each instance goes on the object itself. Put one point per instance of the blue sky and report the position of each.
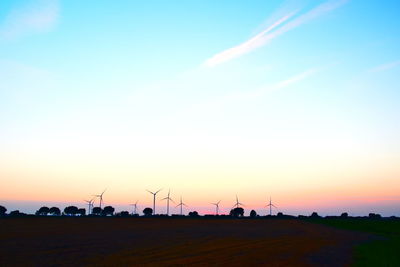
(306, 91)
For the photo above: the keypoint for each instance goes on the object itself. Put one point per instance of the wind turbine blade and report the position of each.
(274, 206)
(149, 191)
(218, 202)
(158, 191)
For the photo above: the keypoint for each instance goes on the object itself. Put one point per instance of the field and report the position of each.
(44, 241)
(384, 251)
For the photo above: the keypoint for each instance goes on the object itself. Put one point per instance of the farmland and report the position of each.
(103, 241)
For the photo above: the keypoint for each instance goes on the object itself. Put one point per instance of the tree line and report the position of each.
(147, 212)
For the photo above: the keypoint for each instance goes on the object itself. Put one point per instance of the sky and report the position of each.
(293, 100)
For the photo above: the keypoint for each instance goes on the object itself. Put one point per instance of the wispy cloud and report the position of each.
(386, 66)
(213, 106)
(249, 45)
(35, 17)
(279, 85)
(296, 78)
(280, 26)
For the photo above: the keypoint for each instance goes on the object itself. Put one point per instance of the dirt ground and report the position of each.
(173, 241)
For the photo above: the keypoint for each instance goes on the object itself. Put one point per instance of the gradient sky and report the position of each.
(297, 100)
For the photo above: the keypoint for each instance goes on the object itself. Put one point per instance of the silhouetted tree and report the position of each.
(148, 211)
(124, 213)
(96, 211)
(279, 214)
(193, 214)
(344, 215)
(253, 214)
(314, 215)
(81, 212)
(43, 211)
(71, 210)
(374, 216)
(15, 213)
(3, 211)
(237, 212)
(55, 211)
(108, 210)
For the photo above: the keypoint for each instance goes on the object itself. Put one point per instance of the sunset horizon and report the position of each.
(297, 101)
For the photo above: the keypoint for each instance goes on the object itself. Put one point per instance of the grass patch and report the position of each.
(385, 252)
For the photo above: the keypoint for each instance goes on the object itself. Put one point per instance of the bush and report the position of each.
(193, 214)
(43, 211)
(81, 212)
(71, 210)
(253, 214)
(16, 213)
(55, 211)
(374, 216)
(3, 211)
(314, 215)
(124, 214)
(108, 210)
(96, 211)
(148, 211)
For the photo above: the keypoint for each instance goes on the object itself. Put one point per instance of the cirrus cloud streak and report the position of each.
(281, 26)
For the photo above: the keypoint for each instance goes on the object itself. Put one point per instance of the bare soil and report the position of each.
(65, 241)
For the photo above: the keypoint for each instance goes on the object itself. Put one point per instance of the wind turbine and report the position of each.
(101, 197)
(135, 207)
(270, 205)
(168, 199)
(90, 204)
(216, 207)
(154, 199)
(237, 205)
(181, 204)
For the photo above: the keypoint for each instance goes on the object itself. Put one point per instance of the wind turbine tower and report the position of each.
(270, 205)
(101, 197)
(168, 198)
(134, 207)
(154, 200)
(90, 205)
(238, 204)
(181, 204)
(216, 207)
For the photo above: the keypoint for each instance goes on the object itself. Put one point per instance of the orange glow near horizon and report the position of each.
(305, 187)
